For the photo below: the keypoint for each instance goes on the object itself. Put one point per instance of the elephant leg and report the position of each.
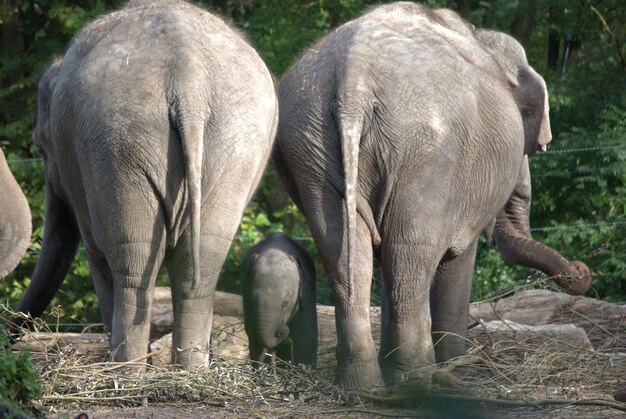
(135, 254)
(357, 365)
(103, 283)
(449, 302)
(304, 336)
(257, 352)
(406, 348)
(193, 307)
(60, 243)
(284, 351)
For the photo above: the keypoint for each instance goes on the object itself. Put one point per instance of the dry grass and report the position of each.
(525, 377)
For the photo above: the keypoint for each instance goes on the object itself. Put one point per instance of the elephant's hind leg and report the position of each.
(406, 348)
(449, 302)
(357, 364)
(134, 257)
(193, 308)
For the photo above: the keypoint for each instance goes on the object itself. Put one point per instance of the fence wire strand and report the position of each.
(590, 149)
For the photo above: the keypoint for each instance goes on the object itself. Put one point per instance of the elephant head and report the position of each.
(516, 244)
(528, 87)
(15, 220)
(271, 296)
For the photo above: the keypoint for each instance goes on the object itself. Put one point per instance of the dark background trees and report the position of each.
(579, 186)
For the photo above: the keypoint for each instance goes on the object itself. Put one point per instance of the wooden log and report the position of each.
(560, 337)
(94, 346)
(604, 323)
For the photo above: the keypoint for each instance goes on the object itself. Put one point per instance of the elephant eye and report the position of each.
(285, 302)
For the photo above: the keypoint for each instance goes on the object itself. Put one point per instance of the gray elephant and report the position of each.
(402, 135)
(155, 129)
(15, 220)
(278, 291)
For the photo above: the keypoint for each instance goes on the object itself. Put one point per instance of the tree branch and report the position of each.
(608, 30)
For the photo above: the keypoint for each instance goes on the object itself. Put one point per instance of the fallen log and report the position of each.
(603, 323)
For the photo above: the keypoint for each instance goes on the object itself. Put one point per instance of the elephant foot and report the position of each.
(395, 374)
(359, 376)
(446, 379)
(194, 357)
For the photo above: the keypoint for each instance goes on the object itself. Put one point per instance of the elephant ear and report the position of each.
(531, 96)
(528, 87)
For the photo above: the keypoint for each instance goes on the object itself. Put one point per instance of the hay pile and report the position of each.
(508, 374)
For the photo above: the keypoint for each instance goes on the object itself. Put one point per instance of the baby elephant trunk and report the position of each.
(272, 337)
(282, 333)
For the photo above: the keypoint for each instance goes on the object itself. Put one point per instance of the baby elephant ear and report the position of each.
(531, 96)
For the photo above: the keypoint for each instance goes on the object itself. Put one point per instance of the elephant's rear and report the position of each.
(134, 91)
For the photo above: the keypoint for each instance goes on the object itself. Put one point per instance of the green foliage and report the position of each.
(19, 383)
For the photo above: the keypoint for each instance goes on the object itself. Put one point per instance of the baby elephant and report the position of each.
(279, 301)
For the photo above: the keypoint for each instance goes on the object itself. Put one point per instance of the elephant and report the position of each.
(155, 128)
(15, 220)
(278, 291)
(402, 136)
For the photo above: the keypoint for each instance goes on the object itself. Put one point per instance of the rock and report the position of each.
(559, 336)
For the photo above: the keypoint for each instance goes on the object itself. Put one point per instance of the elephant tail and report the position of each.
(191, 131)
(350, 135)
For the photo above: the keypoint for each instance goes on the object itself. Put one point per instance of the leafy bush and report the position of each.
(19, 383)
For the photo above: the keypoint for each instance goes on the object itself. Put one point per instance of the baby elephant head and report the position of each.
(272, 295)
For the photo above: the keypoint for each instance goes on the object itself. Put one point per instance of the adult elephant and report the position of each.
(403, 133)
(15, 220)
(155, 129)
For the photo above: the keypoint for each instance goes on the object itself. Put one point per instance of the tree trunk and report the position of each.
(524, 23)
(554, 36)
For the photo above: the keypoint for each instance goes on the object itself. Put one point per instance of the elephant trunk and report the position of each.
(60, 242)
(271, 331)
(574, 277)
(516, 244)
(15, 221)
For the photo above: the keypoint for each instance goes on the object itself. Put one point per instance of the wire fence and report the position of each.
(579, 226)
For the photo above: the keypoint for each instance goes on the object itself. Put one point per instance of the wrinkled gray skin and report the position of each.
(279, 301)
(511, 232)
(15, 220)
(155, 128)
(403, 134)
